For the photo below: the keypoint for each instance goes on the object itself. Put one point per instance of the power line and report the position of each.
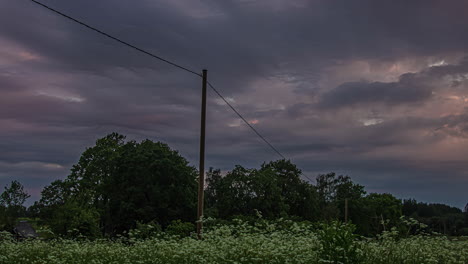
(246, 122)
(116, 39)
(168, 62)
(251, 127)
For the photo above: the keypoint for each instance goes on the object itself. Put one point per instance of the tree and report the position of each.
(214, 184)
(11, 204)
(122, 183)
(72, 219)
(5, 221)
(13, 198)
(300, 197)
(439, 217)
(14, 195)
(275, 189)
(333, 190)
(151, 182)
(383, 211)
(55, 194)
(96, 167)
(53, 199)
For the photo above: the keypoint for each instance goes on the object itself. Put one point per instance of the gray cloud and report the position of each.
(352, 93)
(63, 86)
(410, 88)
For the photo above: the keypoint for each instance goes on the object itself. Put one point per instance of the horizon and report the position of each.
(32, 199)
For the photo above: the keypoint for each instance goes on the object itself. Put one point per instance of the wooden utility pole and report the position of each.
(346, 210)
(201, 178)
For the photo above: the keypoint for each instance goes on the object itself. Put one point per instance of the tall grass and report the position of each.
(265, 242)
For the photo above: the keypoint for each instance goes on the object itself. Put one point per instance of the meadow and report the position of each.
(241, 242)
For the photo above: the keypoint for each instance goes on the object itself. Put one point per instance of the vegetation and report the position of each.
(129, 202)
(239, 242)
(11, 204)
(440, 218)
(275, 189)
(117, 184)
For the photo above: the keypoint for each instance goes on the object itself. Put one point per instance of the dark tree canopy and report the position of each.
(380, 212)
(116, 184)
(275, 189)
(11, 204)
(333, 190)
(439, 217)
(14, 195)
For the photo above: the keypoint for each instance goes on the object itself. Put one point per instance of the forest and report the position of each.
(119, 186)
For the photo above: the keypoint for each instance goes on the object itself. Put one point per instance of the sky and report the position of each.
(377, 90)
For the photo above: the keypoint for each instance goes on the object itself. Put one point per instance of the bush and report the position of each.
(463, 231)
(72, 220)
(339, 243)
(244, 244)
(7, 222)
(145, 231)
(179, 228)
(6, 236)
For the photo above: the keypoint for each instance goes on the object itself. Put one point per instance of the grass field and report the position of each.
(243, 243)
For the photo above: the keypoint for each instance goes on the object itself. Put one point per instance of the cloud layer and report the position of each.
(377, 91)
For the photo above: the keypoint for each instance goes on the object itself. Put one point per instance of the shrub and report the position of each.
(145, 231)
(179, 228)
(244, 244)
(339, 243)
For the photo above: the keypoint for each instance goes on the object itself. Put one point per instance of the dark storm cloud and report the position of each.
(349, 94)
(246, 39)
(410, 88)
(345, 29)
(63, 86)
(157, 28)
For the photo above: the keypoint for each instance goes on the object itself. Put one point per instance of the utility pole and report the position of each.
(346, 210)
(201, 178)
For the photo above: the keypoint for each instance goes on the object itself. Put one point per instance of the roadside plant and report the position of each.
(339, 243)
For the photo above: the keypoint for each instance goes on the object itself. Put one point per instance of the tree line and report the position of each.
(118, 185)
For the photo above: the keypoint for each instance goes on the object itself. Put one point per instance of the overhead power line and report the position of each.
(168, 62)
(116, 39)
(251, 127)
(245, 121)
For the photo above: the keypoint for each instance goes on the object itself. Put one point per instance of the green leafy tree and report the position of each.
(383, 211)
(275, 189)
(55, 194)
(5, 221)
(152, 182)
(13, 198)
(333, 190)
(439, 218)
(53, 197)
(123, 183)
(300, 198)
(66, 214)
(11, 204)
(97, 165)
(14, 195)
(72, 219)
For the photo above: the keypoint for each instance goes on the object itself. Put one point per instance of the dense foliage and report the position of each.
(11, 204)
(135, 189)
(438, 217)
(264, 242)
(276, 190)
(117, 184)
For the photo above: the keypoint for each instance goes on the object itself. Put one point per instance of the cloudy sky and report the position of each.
(377, 90)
